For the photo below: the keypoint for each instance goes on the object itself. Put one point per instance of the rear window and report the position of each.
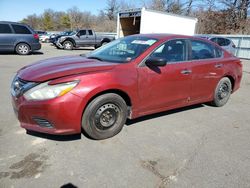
(5, 28)
(20, 29)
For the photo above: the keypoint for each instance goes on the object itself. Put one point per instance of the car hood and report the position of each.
(62, 66)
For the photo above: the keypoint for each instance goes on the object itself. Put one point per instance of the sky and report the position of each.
(16, 10)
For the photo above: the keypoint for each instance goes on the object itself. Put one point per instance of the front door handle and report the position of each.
(218, 65)
(186, 71)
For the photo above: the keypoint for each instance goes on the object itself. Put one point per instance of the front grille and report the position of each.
(19, 86)
(43, 122)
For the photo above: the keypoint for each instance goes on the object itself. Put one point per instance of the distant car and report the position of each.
(53, 38)
(83, 38)
(44, 38)
(225, 43)
(40, 32)
(130, 77)
(18, 37)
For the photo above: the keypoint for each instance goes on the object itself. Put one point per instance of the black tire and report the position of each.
(22, 49)
(97, 46)
(68, 45)
(104, 43)
(105, 116)
(222, 92)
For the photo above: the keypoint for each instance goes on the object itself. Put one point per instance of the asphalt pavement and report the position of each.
(199, 146)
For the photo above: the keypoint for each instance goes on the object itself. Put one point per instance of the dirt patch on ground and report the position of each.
(28, 167)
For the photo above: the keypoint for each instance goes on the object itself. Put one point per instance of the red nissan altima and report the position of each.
(127, 78)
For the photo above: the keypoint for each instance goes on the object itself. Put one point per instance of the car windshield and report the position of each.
(123, 50)
(72, 33)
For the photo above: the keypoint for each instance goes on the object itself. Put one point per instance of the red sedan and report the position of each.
(127, 78)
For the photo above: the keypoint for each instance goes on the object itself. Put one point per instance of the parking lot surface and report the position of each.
(197, 146)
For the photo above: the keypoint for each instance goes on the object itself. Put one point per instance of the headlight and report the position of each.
(45, 91)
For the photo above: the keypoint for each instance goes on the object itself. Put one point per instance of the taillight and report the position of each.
(36, 36)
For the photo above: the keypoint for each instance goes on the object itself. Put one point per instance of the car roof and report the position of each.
(9, 22)
(211, 36)
(162, 36)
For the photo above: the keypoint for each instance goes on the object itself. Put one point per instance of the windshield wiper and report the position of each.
(93, 57)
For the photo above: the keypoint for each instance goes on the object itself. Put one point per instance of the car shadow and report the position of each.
(160, 114)
(68, 185)
(55, 137)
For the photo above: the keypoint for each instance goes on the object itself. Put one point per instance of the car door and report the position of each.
(207, 69)
(90, 40)
(82, 38)
(167, 86)
(6, 37)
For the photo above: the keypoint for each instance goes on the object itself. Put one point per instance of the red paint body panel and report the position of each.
(150, 90)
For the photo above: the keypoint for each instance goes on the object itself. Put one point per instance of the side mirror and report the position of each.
(78, 34)
(156, 61)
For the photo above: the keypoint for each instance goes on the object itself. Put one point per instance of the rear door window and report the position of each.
(90, 32)
(202, 50)
(5, 28)
(218, 52)
(20, 29)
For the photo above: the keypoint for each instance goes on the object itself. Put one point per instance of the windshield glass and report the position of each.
(123, 50)
(73, 32)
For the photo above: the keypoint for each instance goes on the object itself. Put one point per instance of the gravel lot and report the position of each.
(198, 146)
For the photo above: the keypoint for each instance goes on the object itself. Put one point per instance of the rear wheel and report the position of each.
(23, 49)
(222, 92)
(68, 45)
(105, 116)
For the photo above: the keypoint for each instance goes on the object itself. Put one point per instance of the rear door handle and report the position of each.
(218, 65)
(186, 71)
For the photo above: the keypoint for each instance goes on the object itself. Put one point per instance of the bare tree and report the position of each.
(175, 7)
(158, 5)
(75, 16)
(189, 7)
(111, 9)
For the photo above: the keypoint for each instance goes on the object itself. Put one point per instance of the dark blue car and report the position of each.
(54, 38)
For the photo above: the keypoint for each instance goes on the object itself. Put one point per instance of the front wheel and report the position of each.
(105, 116)
(222, 92)
(68, 45)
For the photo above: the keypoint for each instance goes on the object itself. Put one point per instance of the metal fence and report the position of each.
(242, 43)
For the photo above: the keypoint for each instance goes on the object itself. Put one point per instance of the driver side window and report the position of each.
(172, 51)
(82, 32)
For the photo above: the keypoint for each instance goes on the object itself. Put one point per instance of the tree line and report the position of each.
(214, 16)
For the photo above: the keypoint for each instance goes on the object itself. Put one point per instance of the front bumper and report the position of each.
(62, 114)
(58, 44)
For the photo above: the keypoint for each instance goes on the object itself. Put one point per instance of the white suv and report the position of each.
(225, 43)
